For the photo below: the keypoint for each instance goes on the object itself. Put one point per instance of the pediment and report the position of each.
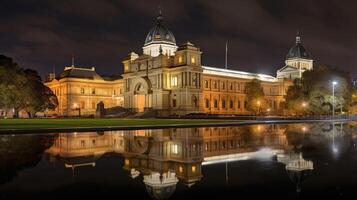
(288, 68)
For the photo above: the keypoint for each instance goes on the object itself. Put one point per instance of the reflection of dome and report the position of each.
(160, 33)
(298, 51)
(299, 170)
(161, 186)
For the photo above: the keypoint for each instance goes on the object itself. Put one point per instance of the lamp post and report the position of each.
(333, 98)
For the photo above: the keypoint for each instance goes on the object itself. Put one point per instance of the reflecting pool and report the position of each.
(280, 161)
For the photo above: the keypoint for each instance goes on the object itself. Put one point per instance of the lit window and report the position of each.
(180, 59)
(193, 60)
(82, 90)
(180, 169)
(193, 168)
(175, 148)
(174, 81)
(206, 84)
(127, 162)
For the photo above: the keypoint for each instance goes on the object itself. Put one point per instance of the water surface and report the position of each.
(287, 161)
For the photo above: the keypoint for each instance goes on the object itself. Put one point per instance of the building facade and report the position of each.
(79, 90)
(170, 80)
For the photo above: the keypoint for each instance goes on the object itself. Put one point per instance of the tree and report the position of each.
(296, 98)
(315, 87)
(255, 97)
(23, 89)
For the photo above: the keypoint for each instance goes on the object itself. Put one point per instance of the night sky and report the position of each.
(41, 34)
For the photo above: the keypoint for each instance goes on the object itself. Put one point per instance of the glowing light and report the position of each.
(304, 129)
(334, 82)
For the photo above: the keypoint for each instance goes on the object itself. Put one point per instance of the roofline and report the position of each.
(238, 74)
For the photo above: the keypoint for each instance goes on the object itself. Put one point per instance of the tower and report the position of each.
(297, 61)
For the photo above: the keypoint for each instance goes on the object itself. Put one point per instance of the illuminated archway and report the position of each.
(142, 94)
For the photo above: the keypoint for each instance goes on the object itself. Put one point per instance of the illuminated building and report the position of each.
(167, 79)
(79, 90)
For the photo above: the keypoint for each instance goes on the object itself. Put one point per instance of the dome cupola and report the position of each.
(160, 39)
(298, 50)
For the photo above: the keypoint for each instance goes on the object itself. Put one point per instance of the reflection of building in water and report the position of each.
(85, 148)
(165, 156)
(297, 167)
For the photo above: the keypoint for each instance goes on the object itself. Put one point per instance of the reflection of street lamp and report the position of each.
(333, 98)
(334, 147)
(258, 103)
(304, 104)
(76, 107)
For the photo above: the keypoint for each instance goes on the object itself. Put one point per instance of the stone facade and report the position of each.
(79, 90)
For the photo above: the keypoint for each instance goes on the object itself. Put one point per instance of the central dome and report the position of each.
(298, 51)
(160, 34)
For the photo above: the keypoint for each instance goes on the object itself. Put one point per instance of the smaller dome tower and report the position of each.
(297, 61)
(160, 40)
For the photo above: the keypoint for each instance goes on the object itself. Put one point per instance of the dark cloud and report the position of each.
(41, 34)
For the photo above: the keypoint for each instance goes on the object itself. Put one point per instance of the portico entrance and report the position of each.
(142, 96)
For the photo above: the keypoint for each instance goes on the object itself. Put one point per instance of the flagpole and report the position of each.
(226, 67)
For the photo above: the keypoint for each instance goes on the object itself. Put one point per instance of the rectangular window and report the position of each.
(207, 103)
(82, 105)
(174, 103)
(82, 90)
(93, 91)
(231, 104)
(174, 81)
(215, 103)
(238, 104)
(93, 105)
(193, 60)
(175, 148)
(180, 59)
(223, 103)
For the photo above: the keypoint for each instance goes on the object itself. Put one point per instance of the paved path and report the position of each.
(141, 127)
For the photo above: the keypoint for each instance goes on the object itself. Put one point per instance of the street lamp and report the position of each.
(333, 98)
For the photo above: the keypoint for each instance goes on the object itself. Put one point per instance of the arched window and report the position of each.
(214, 84)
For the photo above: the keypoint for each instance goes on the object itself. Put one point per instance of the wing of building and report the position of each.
(167, 79)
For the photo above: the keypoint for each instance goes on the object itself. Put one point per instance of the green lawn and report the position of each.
(73, 123)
